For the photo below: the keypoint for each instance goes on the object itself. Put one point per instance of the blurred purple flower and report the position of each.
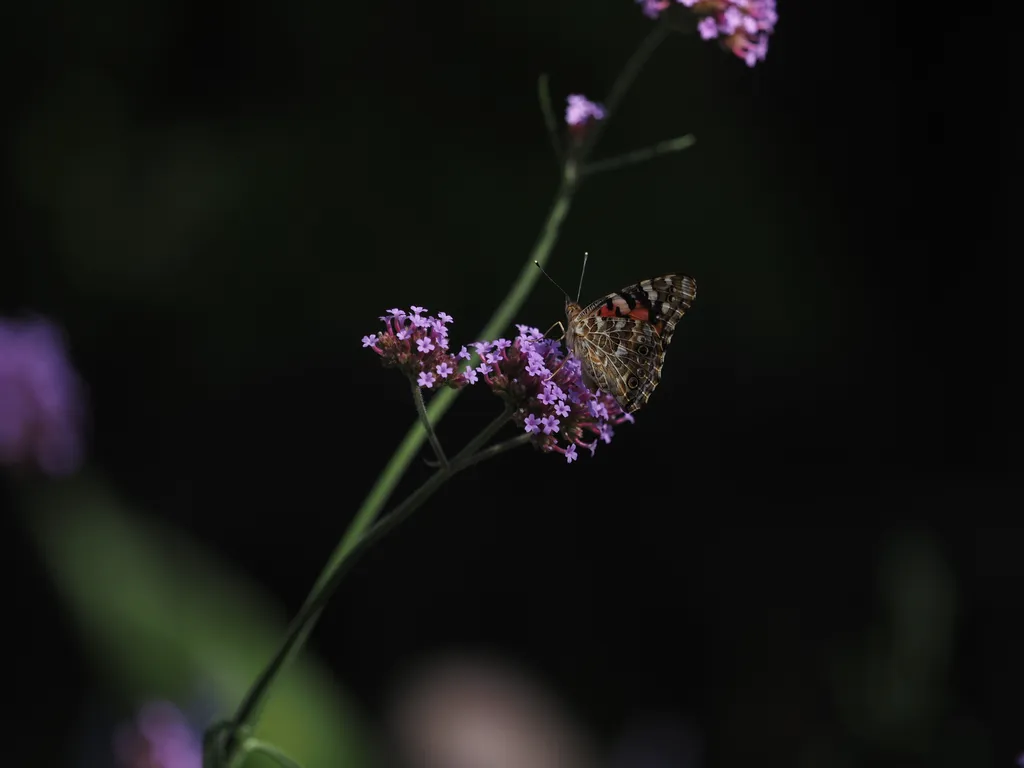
(40, 399)
(418, 345)
(552, 403)
(581, 110)
(160, 737)
(653, 8)
(741, 26)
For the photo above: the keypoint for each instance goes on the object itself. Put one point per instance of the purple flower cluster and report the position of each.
(160, 737)
(741, 26)
(40, 399)
(532, 373)
(552, 404)
(417, 344)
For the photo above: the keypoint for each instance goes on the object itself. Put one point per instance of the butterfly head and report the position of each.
(572, 308)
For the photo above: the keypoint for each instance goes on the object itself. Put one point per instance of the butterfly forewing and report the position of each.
(621, 340)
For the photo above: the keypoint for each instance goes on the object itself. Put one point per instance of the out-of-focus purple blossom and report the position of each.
(653, 8)
(159, 737)
(552, 404)
(417, 344)
(708, 28)
(40, 399)
(580, 111)
(741, 26)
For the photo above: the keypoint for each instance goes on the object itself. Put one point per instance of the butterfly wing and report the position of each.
(621, 340)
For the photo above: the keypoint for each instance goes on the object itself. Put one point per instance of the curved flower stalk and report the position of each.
(541, 387)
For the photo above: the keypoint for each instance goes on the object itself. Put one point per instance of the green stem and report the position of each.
(443, 400)
(363, 522)
(421, 411)
(307, 616)
(502, 317)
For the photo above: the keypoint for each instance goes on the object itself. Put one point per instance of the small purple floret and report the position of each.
(581, 110)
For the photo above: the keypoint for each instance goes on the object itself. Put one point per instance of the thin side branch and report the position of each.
(492, 451)
(421, 411)
(641, 155)
(275, 754)
(485, 436)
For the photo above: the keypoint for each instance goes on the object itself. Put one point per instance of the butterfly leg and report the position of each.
(560, 327)
(558, 367)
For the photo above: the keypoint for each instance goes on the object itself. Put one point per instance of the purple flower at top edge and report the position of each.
(740, 26)
(41, 411)
(551, 402)
(418, 345)
(159, 737)
(581, 110)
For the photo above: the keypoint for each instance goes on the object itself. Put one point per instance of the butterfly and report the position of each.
(620, 340)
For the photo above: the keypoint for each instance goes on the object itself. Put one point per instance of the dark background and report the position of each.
(806, 544)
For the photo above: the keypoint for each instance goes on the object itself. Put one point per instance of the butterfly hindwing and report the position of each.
(621, 339)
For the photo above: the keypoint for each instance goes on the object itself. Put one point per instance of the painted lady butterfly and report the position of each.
(620, 340)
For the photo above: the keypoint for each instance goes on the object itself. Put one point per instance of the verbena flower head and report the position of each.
(417, 344)
(160, 737)
(581, 111)
(741, 26)
(551, 402)
(40, 399)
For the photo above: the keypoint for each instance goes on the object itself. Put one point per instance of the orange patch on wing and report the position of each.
(639, 313)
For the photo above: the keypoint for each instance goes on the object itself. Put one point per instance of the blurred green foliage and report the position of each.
(163, 618)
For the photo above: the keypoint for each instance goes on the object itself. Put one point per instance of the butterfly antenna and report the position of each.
(579, 290)
(550, 278)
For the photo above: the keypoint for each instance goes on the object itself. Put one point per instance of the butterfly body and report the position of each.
(620, 340)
